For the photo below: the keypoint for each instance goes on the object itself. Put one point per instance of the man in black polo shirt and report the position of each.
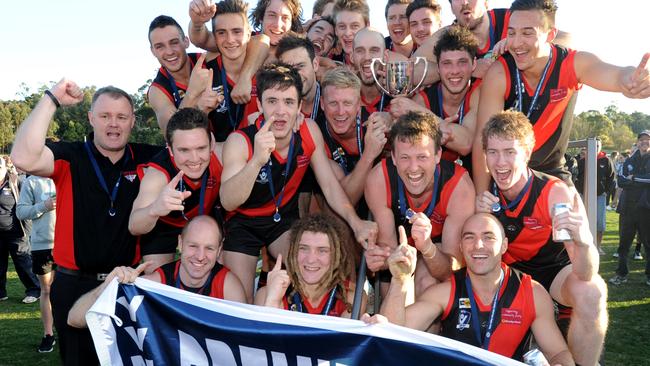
(96, 183)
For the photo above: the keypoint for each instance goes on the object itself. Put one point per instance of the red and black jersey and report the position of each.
(551, 128)
(433, 101)
(450, 175)
(213, 286)
(169, 227)
(87, 237)
(345, 156)
(260, 202)
(529, 229)
(228, 116)
(499, 20)
(339, 307)
(175, 91)
(514, 316)
(379, 104)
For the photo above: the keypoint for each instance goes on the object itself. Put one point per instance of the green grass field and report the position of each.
(628, 338)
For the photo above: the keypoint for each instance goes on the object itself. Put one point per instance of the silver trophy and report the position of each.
(399, 76)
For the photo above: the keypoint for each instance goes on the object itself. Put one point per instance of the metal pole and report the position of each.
(591, 178)
(358, 291)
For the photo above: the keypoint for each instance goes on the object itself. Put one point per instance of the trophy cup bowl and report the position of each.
(399, 76)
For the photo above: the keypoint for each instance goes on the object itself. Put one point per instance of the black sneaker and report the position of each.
(47, 344)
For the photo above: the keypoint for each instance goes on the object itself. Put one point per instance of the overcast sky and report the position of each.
(105, 42)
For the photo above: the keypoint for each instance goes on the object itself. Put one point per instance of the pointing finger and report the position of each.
(402, 235)
(200, 61)
(208, 85)
(267, 125)
(174, 182)
(139, 269)
(643, 64)
(278, 263)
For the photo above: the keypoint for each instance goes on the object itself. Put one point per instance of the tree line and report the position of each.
(616, 129)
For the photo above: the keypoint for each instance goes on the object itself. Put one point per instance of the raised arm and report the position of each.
(201, 12)
(239, 174)
(375, 193)
(633, 82)
(257, 51)
(29, 152)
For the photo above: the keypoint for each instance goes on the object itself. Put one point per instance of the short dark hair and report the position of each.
(355, 6)
(231, 7)
(186, 119)
(293, 41)
(327, 19)
(419, 4)
(162, 21)
(113, 92)
(319, 6)
(547, 7)
(395, 2)
(412, 126)
(456, 38)
(511, 125)
(257, 16)
(278, 75)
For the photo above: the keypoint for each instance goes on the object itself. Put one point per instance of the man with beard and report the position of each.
(540, 79)
(429, 196)
(178, 184)
(170, 89)
(454, 98)
(525, 202)
(197, 270)
(399, 36)
(264, 165)
(487, 304)
(321, 33)
(369, 44)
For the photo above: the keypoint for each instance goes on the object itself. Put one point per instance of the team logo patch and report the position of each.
(511, 228)
(437, 218)
(532, 223)
(558, 94)
(302, 161)
(130, 175)
(181, 93)
(511, 316)
(211, 182)
(262, 177)
(463, 319)
(463, 303)
(254, 91)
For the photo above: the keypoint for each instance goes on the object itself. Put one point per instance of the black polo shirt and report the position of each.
(87, 237)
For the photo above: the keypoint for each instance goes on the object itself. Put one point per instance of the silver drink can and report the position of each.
(561, 234)
(535, 357)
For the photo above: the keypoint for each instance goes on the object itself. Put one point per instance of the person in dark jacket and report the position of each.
(634, 206)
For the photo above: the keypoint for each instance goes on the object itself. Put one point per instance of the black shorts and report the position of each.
(545, 275)
(42, 261)
(249, 234)
(160, 240)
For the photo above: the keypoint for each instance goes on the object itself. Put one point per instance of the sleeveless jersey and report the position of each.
(260, 202)
(338, 308)
(347, 159)
(169, 227)
(450, 175)
(379, 104)
(432, 99)
(229, 116)
(163, 81)
(514, 315)
(499, 20)
(529, 229)
(169, 276)
(550, 128)
(388, 42)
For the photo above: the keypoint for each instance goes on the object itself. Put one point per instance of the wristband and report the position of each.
(431, 249)
(53, 98)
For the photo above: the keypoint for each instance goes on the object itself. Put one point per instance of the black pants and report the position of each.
(629, 224)
(75, 345)
(22, 263)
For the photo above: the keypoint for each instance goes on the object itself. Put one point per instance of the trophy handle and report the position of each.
(374, 76)
(426, 68)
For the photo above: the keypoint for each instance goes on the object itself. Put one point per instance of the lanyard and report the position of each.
(338, 155)
(381, 102)
(483, 342)
(297, 300)
(461, 109)
(498, 206)
(204, 183)
(520, 87)
(113, 194)
(208, 281)
(234, 120)
(276, 216)
(314, 110)
(406, 211)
